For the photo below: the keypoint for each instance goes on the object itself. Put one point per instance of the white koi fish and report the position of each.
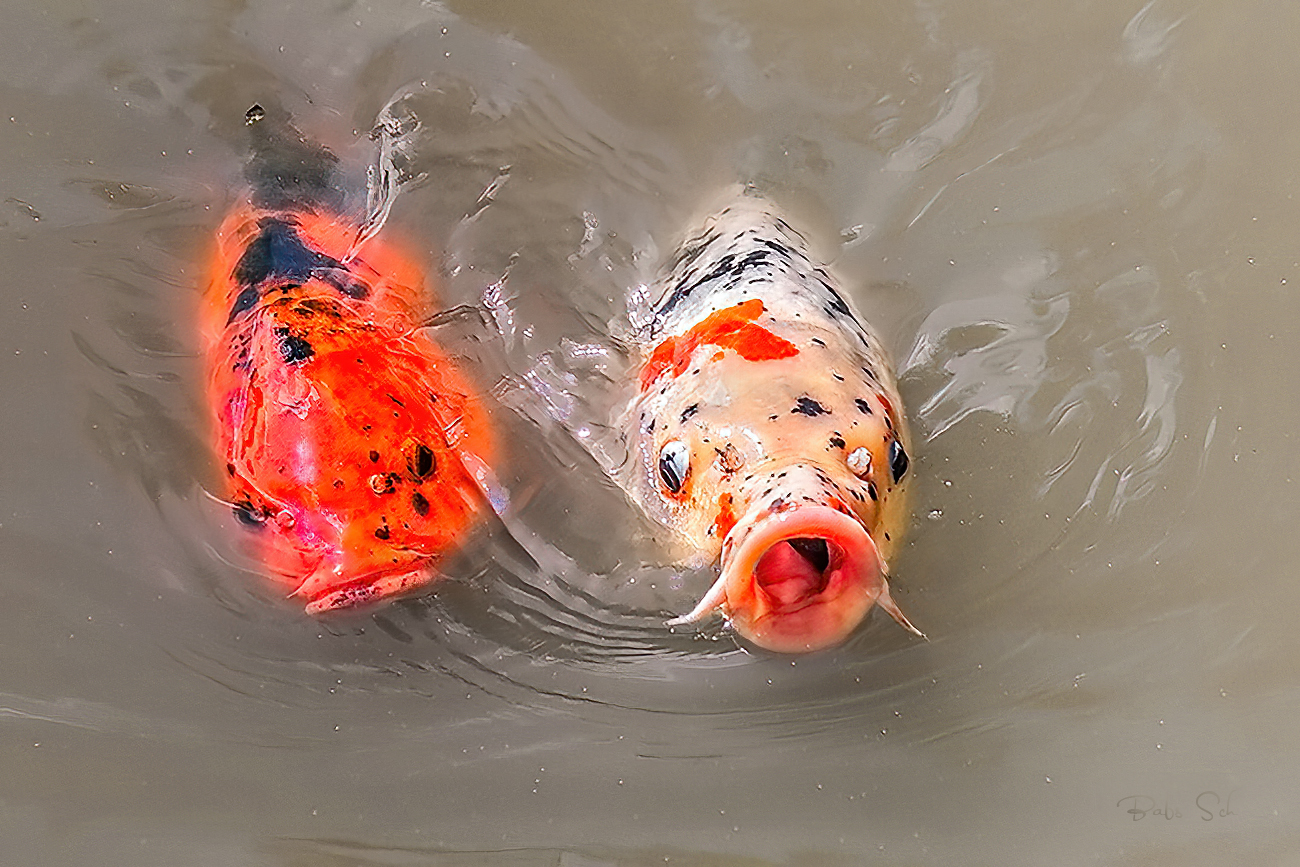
(768, 430)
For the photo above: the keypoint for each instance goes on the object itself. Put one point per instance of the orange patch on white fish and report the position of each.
(732, 328)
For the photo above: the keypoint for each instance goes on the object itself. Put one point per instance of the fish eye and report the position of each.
(898, 462)
(674, 464)
(859, 461)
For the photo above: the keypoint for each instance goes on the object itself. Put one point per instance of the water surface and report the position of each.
(1075, 229)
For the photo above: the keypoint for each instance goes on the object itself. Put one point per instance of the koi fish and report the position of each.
(349, 440)
(768, 431)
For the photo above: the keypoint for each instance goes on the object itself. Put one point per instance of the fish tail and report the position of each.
(287, 170)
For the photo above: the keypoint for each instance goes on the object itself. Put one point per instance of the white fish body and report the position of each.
(767, 430)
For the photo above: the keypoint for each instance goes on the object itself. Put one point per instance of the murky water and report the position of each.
(1075, 228)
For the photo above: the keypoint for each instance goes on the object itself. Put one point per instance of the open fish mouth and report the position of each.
(803, 579)
(797, 569)
(800, 580)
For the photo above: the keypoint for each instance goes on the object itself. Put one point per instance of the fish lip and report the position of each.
(851, 582)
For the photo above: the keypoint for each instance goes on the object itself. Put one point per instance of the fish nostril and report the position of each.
(859, 461)
(730, 460)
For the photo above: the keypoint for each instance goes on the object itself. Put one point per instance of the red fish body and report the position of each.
(349, 440)
(767, 431)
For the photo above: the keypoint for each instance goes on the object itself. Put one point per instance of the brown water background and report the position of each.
(1074, 224)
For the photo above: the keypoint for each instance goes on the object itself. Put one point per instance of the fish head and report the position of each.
(794, 481)
(800, 570)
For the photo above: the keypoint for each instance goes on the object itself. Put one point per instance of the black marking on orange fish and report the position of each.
(293, 349)
(277, 253)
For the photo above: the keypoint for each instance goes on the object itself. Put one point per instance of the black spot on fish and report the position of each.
(837, 442)
(752, 260)
(420, 503)
(688, 283)
(348, 285)
(723, 266)
(690, 411)
(776, 247)
(809, 407)
(898, 461)
(374, 456)
(276, 252)
(817, 341)
(837, 303)
(862, 405)
(293, 349)
(279, 254)
(382, 533)
(871, 490)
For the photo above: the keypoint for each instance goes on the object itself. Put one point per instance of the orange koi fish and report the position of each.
(350, 442)
(768, 431)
